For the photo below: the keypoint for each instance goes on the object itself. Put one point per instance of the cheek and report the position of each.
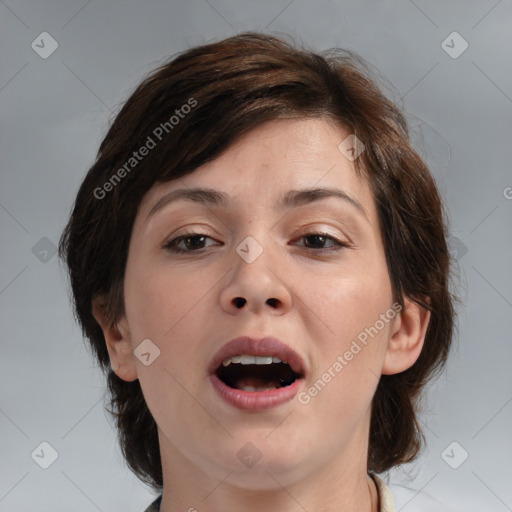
(167, 306)
(344, 305)
(160, 300)
(163, 306)
(351, 339)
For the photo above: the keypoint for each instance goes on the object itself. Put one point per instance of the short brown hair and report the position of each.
(231, 87)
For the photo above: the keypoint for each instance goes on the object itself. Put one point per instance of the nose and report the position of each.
(258, 287)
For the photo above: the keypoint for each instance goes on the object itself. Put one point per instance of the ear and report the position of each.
(407, 338)
(118, 342)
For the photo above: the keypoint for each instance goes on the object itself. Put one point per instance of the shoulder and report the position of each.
(396, 497)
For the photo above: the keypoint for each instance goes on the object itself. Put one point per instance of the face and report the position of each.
(312, 274)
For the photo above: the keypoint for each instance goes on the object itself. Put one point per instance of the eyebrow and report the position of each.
(292, 198)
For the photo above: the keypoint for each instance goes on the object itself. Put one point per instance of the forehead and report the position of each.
(273, 158)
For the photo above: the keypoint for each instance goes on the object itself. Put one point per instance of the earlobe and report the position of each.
(118, 341)
(407, 338)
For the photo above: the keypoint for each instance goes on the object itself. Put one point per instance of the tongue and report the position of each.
(257, 384)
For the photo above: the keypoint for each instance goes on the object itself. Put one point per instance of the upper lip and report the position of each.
(267, 346)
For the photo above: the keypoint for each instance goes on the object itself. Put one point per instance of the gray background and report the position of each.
(54, 114)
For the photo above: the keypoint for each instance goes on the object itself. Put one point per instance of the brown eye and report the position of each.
(190, 242)
(319, 241)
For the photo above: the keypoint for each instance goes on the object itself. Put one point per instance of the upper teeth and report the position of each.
(246, 359)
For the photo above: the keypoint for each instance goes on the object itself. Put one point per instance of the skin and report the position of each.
(313, 456)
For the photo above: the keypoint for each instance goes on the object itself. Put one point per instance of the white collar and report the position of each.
(386, 501)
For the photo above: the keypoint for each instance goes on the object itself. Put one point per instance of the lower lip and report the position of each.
(255, 400)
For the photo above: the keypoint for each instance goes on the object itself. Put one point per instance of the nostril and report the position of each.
(273, 302)
(239, 302)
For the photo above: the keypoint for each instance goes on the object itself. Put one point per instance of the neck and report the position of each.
(342, 484)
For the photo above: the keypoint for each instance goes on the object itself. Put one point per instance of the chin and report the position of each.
(264, 476)
(251, 462)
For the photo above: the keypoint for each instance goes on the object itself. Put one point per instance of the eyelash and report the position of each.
(171, 245)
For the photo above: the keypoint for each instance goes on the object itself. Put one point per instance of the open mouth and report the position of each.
(256, 373)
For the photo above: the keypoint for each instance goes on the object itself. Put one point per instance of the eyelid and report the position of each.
(192, 230)
(320, 228)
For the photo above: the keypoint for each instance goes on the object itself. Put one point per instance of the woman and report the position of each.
(258, 260)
